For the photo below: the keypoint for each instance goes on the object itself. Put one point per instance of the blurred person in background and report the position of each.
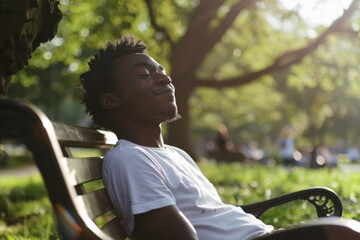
(286, 146)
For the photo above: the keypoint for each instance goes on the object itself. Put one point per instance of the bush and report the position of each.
(30, 191)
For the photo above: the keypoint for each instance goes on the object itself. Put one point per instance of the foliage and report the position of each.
(323, 92)
(217, 49)
(248, 120)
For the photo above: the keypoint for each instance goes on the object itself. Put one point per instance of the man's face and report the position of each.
(145, 92)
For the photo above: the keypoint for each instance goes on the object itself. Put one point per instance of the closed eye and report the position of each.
(144, 75)
(142, 72)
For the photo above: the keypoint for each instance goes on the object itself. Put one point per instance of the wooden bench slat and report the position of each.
(84, 169)
(114, 229)
(82, 137)
(96, 203)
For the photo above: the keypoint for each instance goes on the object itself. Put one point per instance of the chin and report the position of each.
(174, 118)
(168, 114)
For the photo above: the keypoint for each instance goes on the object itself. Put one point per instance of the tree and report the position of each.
(194, 39)
(201, 35)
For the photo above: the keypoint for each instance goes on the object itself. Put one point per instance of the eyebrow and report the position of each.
(145, 64)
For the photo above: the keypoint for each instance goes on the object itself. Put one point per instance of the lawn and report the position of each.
(239, 184)
(25, 212)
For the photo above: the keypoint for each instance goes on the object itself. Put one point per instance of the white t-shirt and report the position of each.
(140, 179)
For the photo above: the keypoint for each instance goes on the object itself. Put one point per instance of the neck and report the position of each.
(150, 136)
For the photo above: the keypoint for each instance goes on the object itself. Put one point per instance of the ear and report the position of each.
(109, 101)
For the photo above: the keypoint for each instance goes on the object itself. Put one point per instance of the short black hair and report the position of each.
(98, 79)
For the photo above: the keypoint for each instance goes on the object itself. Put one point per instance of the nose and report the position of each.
(162, 79)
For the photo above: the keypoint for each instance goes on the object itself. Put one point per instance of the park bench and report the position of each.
(69, 159)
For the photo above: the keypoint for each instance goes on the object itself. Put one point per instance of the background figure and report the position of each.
(222, 140)
(353, 154)
(253, 152)
(286, 146)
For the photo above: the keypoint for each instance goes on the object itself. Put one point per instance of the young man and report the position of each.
(156, 188)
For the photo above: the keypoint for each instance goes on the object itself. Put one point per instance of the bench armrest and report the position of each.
(326, 202)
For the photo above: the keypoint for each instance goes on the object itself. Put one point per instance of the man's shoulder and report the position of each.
(181, 152)
(175, 149)
(122, 152)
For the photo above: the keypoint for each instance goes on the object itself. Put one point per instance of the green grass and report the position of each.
(239, 185)
(25, 211)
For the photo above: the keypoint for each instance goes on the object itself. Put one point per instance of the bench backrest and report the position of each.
(69, 159)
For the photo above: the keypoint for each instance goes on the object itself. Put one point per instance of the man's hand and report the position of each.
(163, 224)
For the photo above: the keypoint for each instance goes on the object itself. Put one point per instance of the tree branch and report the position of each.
(199, 38)
(188, 49)
(155, 24)
(284, 61)
(348, 31)
(201, 19)
(227, 22)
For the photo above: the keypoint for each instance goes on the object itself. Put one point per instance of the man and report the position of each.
(156, 188)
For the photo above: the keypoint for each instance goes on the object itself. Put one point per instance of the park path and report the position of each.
(18, 172)
(351, 167)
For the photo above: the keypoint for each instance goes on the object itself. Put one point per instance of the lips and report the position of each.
(164, 91)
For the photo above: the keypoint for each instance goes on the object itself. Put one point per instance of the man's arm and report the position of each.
(163, 224)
